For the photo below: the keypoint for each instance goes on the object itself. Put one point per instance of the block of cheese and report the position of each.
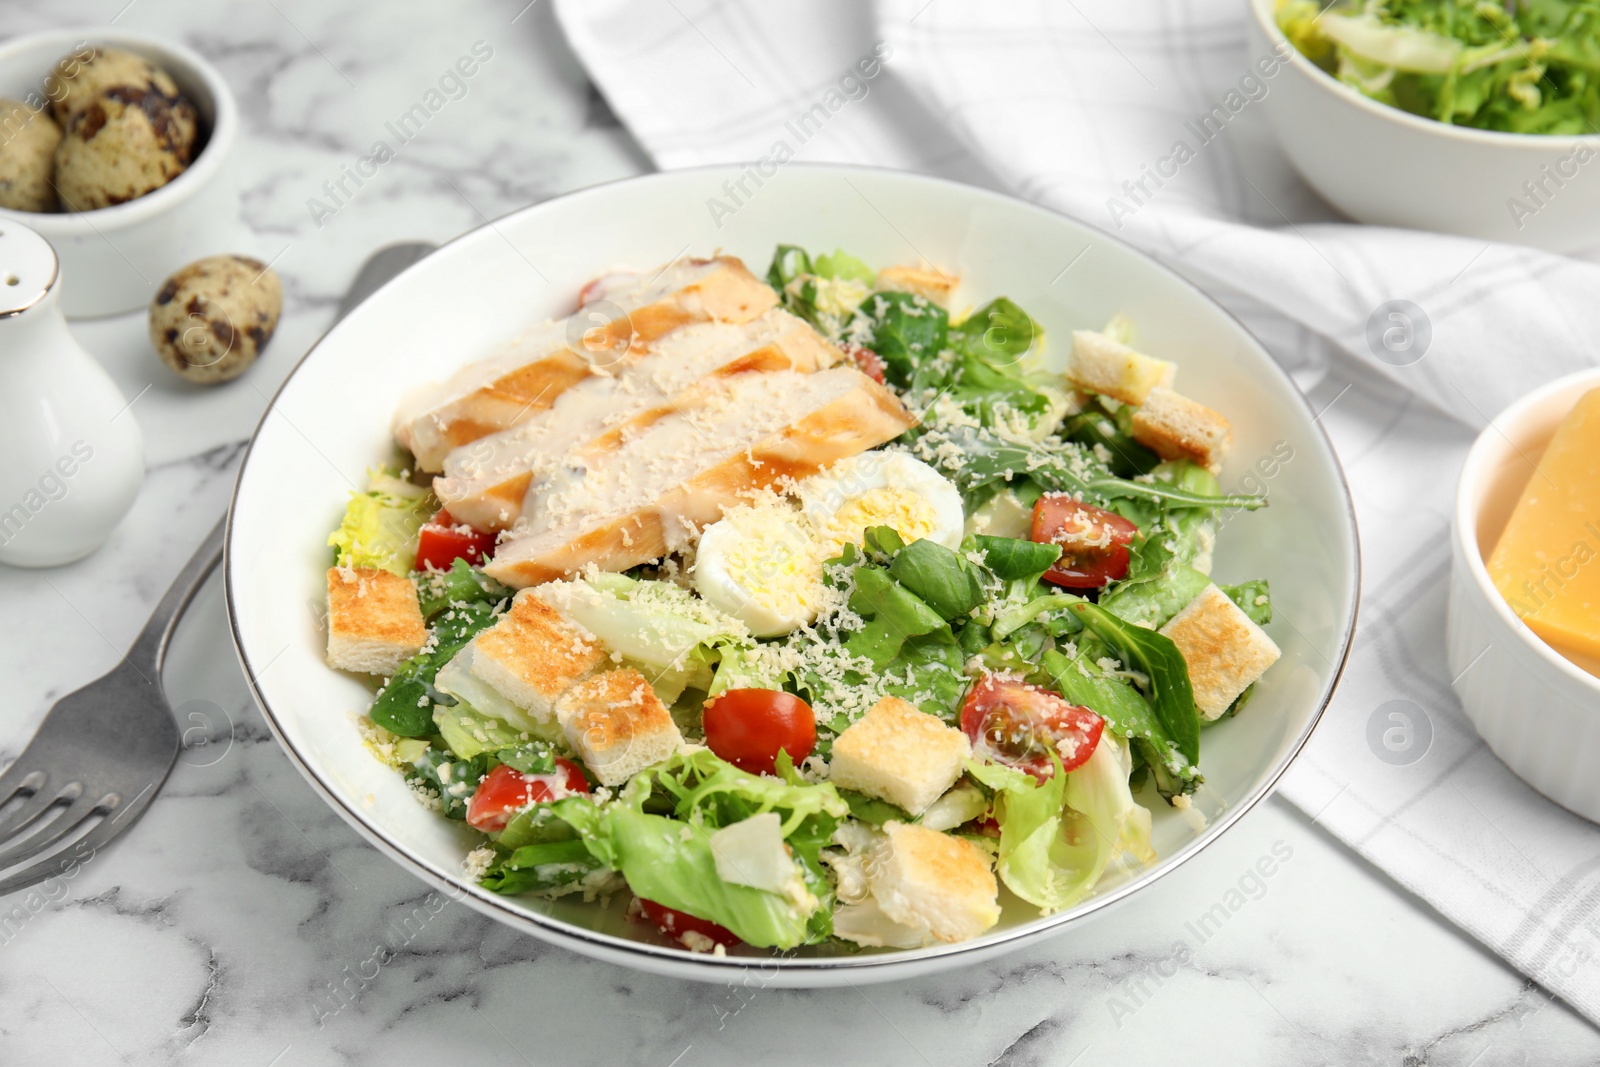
(528, 374)
(1547, 562)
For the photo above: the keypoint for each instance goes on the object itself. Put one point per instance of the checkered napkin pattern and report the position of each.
(1146, 120)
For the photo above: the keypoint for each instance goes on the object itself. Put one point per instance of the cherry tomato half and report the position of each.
(867, 362)
(505, 791)
(676, 923)
(747, 727)
(1094, 542)
(1018, 724)
(442, 540)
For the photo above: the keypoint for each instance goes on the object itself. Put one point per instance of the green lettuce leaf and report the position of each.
(1057, 837)
(842, 264)
(468, 732)
(405, 705)
(380, 525)
(906, 330)
(1012, 559)
(944, 580)
(668, 859)
(1254, 599)
(461, 584)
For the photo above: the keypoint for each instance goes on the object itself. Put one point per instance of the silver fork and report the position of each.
(105, 750)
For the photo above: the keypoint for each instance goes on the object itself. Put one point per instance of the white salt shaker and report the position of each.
(71, 455)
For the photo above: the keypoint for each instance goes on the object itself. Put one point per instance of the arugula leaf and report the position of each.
(529, 757)
(1160, 661)
(1124, 708)
(1016, 617)
(880, 543)
(1114, 432)
(791, 275)
(988, 457)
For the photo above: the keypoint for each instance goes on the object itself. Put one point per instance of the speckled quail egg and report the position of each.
(210, 320)
(126, 142)
(77, 79)
(28, 140)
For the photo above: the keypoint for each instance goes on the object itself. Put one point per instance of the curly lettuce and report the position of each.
(1534, 68)
(1058, 836)
(380, 525)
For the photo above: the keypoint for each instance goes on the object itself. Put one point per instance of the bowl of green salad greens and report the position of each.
(1473, 117)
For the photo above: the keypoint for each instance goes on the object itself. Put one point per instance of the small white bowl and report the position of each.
(1538, 711)
(113, 259)
(1387, 167)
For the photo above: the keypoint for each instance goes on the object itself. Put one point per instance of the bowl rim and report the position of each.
(708, 967)
(1469, 505)
(206, 166)
(1260, 11)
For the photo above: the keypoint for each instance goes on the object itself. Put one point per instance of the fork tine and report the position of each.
(36, 805)
(82, 851)
(56, 863)
(15, 779)
(59, 827)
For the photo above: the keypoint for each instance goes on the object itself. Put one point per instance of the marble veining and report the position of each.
(243, 923)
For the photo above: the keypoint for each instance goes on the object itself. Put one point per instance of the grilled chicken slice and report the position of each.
(485, 482)
(527, 375)
(654, 491)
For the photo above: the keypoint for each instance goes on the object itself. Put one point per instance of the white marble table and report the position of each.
(236, 923)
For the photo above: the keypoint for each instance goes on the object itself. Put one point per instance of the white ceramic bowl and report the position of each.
(1387, 167)
(330, 421)
(113, 259)
(1537, 710)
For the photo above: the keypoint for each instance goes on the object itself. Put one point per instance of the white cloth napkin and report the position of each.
(1063, 103)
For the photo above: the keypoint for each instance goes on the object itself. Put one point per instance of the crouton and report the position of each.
(374, 621)
(615, 722)
(896, 753)
(1175, 427)
(1104, 365)
(1225, 650)
(533, 655)
(929, 283)
(923, 878)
